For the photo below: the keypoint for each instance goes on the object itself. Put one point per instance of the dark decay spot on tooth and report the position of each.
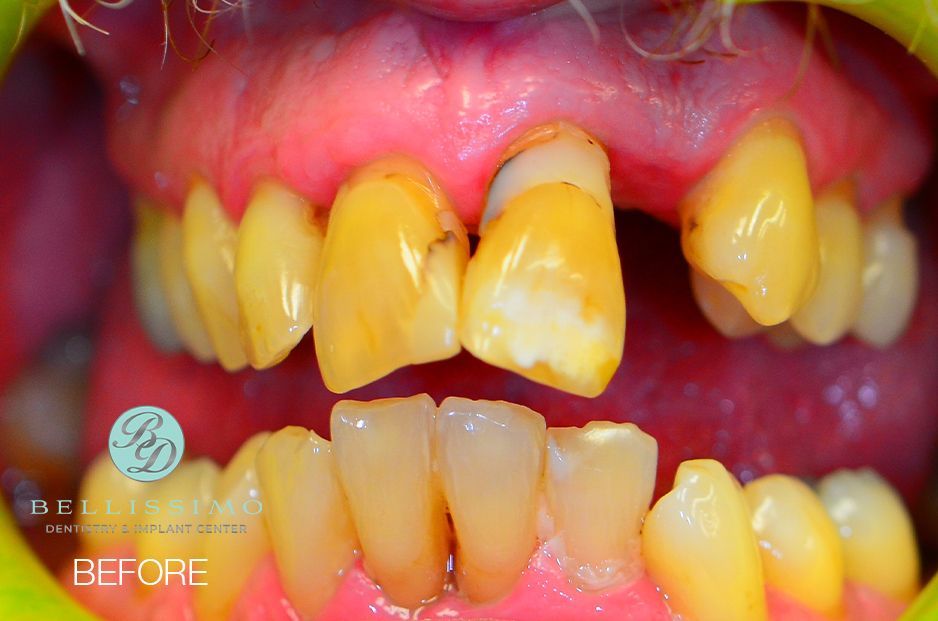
(692, 225)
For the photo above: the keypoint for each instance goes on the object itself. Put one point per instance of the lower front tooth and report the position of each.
(721, 308)
(490, 456)
(307, 517)
(109, 495)
(599, 484)
(149, 297)
(700, 548)
(384, 453)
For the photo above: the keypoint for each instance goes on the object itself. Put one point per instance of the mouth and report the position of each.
(418, 231)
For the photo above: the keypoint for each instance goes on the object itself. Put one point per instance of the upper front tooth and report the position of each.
(801, 551)
(277, 260)
(877, 534)
(390, 276)
(543, 295)
(490, 455)
(109, 494)
(599, 484)
(721, 308)
(384, 454)
(151, 301)
(750, 223)
(832, 308)
(307, 517)
(209, 241)
(890, 277)
(700, 548)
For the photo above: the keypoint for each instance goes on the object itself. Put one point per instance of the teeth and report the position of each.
(209, 241)
(890, 277)
(721, 308)
(182, 307)
(750, 223)
(384, 454)
(801, 550)
(390, 275)
(878, 538)
(490, 456)
(832, 308)
(307, 517)
(700, 548)
(109, 495)
(232, 558)
(543, 295)
(599, 484)
(279, 241)
(152, 304)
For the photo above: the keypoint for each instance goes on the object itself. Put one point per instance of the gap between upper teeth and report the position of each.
(385, 279)
(397, 469)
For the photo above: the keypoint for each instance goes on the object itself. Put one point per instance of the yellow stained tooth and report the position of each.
(182, 307)
(801, 551)
(209, 241)
(151, 301)
(383, 450)
(890, 277)
(700, 548)
(232, 557)
(112, 499)
(599, 484)
(750, 223)
(390, 276)
(307, 517)
(543, 295)
(490, 455)
(279, 241)
(832, 308)
(876, 531)
(721, 308)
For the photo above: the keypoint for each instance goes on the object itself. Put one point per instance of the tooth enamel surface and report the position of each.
(801, 551)
(750, 223)
(279, 242)
(390, 276)
(700, 548)
(721, 308)
(599, 483)
(209, 242)
(179, 296)
(890, 277)
(152, 304)
(109, 494)
(832, 308)
(878, 538)
(233, 557)
(307, 517)
(384, 454)
(543, 295)
(490, 455)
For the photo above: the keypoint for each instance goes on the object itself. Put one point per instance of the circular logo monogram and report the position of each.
(146, 443)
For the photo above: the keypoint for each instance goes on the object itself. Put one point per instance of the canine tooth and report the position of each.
(721, 308)
(750, 223)
(801, 550)
(307, 516)
(390, 276)
(490, 455)
(182, 307)
(543, 295)
(232, 558)
(832, 308)
(209, 241)
(599, 484)
(279, 241)
(876, 531)
(108, 495)
(890, 277)
(700, 548)
(151, 302)
(384, 453)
